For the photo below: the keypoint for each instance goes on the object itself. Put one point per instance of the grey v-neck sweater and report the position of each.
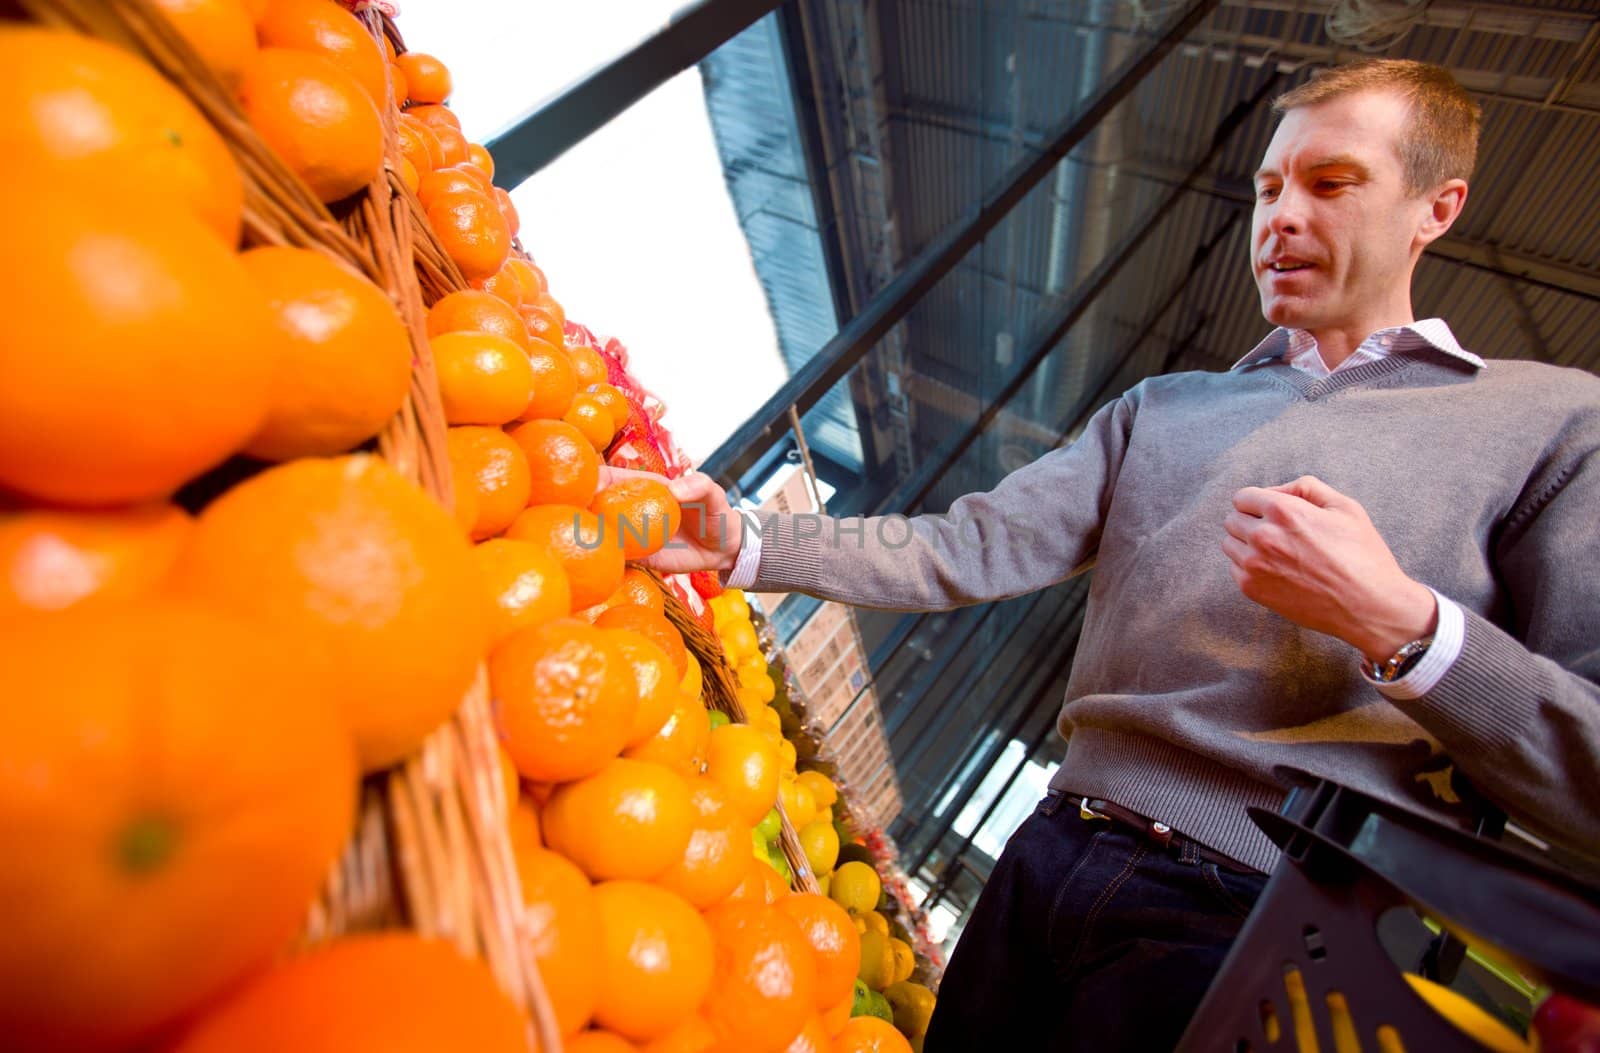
(1184, 694)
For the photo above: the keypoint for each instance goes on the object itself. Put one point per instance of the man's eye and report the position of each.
(1266, 193)
(1331, 184)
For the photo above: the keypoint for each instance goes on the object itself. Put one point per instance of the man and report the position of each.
(1361, 552)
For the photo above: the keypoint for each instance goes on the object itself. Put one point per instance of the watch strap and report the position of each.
(1398, 664)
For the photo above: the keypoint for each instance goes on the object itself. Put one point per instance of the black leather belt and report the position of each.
(1158, 833)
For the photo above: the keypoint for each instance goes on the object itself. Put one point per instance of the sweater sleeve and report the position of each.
(1040, 525)
(1519, 710)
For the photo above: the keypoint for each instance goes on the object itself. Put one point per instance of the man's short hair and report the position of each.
(1441, 140)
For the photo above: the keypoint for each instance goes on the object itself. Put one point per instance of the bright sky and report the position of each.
(633, 226)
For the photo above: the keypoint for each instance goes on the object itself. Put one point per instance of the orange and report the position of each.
(347, 363)
(427, 76)
(693, 682)
(503, 201)
(589, 415)
(835, 944)
(869, 1034)
(564, 699)
(525, 584)
(593, 562)
(642, 513)
(127, 842)
(501, 284)
(499, 473)
(394, 992)
(638, 589)
(418, 144)
(479, 155)
(317, 118)
(563, 925)
(598, 1042)
(740, 758)
(408, 174)
(651, 626)
(713, 862)
(51, 560)
(553, 382)
(630, 819)
(471, 230)
(656, 956)
(549, 304)
(397, 85)
(441, 181)
(654, 683)
(522, 823)
(145, 353)
(692, 1035)
(615, 402)
(434, 115)
(563, 466)
(587, 365)
(834, 1017)
(813, 1037)
(752, 886)
(452, 144)
(765, 981)
(355, 571)
(483, 378)
(681, 742)
(463, 500)
(510, 779)
(532, 278)
(220, 32)
(469, 310)
(542, 324)
(97, 113)
(479, 177)
(325, 28)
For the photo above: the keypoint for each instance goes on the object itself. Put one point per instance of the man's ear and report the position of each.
(1446, 205)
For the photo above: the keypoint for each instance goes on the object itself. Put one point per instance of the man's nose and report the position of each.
(1285, 215)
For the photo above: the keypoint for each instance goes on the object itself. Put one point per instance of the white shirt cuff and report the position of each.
(743, 574)
(1448, 637)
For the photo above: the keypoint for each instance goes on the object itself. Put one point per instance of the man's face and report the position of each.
(1334, 227)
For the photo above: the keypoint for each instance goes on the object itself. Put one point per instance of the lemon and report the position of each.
(905, 959)
(875, 922)
(750, 700)
(739, 640)
(751, 668)
(855, 887)
(820, 842)
(823, 881)
(824, 815)
(877, 961)
(912, 1004)
(770, 826)
(823, 791)
(1467, 1017)
(738, 604)
(797, 802)
(787, 757)
(764, 689)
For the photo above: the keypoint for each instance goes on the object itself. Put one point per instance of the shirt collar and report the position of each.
(1429, 332)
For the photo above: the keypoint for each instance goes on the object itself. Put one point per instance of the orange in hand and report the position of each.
(656, 959)
(499, 473)
(641, 513)
(713, 863)
(54, 559)
(592, 560)
(765, 979)
(317, 118)
(563, 467)
(346, 367)
(746, 764)
(525, 584)
(835, 943)
(473, 232)
(483, 378)
(563, 923)
(354, 570)
(630, 819)
(427, 77)
(469, 310)
(327, 29)
(564, 698)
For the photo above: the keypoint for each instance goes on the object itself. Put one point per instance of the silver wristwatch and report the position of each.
(1398, 664)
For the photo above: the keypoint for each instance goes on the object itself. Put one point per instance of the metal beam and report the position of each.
(840, 355)
(577, 111)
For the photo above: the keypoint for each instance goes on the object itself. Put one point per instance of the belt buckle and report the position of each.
(1086, 812)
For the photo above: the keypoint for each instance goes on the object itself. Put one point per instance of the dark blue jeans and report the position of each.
(1088, 937)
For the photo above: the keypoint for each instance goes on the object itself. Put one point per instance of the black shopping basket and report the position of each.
(1311, 950)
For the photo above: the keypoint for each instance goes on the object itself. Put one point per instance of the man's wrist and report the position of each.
(1413, 615)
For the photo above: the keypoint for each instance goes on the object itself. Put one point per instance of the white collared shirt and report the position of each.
(1299, 349)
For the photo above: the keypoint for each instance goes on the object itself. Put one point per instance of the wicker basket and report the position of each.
(431, 849)
(720, 694)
